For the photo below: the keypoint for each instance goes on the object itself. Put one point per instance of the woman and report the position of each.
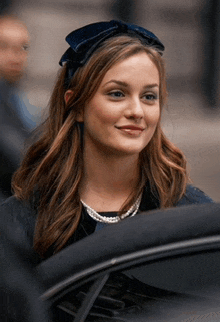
(102, 155)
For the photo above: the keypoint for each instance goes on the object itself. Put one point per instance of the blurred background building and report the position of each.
(190, 30)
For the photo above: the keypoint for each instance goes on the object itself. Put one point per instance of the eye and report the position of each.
(150, 97)
(25, 47)
(116, 94)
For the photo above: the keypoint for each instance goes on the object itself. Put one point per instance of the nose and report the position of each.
(135, 109)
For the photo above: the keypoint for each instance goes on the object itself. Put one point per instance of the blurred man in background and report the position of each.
(16, 121)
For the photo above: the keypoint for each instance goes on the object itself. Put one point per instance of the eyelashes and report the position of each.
(117, 94)
(151, 97)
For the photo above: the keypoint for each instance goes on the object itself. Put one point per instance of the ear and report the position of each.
(68, 95)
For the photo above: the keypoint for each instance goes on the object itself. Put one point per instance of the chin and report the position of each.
(13, 77)
(128, 151)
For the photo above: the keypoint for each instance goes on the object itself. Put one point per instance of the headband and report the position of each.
(84, 41)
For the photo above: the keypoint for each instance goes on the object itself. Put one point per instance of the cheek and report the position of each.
(24, 60)
(104, 116)
(157, 116)
(153, 117)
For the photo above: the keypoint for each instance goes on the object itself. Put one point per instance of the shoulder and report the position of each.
(194, 195)
(18, 218)
(13, 208)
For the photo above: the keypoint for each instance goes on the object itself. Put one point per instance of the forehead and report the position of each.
(13, 31)
(136, 68)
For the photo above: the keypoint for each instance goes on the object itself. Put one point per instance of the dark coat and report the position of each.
(23, 216)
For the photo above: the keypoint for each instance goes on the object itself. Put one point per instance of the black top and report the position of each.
(20, 217)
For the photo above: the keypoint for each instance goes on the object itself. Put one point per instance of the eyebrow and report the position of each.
(124, 84)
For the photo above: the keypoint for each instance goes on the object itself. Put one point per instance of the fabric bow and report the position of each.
(84, 41)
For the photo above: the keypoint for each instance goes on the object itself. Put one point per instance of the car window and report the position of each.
(175, 287)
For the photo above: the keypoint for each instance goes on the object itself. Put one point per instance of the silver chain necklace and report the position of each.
(111, 220)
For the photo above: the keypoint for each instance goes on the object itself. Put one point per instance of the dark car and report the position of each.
(156, 266)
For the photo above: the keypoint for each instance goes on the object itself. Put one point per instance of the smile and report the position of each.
(131, 130)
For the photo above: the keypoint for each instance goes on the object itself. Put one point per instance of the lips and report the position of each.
(131, 129)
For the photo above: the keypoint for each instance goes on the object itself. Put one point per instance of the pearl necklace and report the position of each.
(111, 220)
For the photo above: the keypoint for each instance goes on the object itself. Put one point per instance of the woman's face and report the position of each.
(122, 116)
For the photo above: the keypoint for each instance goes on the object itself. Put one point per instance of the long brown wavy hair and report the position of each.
(53, 166)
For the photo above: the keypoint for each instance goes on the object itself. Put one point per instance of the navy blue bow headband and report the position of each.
(84, 41)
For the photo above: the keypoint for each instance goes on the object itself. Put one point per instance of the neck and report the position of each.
(108, 180)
